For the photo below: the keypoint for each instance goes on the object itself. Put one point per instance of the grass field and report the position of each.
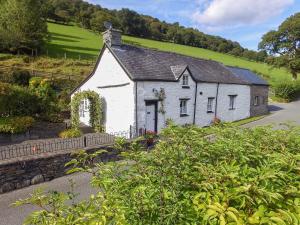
(76, 41)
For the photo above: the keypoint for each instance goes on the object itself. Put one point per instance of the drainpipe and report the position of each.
(217, 95)
(195, 104)
(136, 113)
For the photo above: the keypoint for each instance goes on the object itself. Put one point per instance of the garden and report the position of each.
(236, 176)
(26, 100)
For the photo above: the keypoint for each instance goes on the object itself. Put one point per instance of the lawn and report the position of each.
(77, 42)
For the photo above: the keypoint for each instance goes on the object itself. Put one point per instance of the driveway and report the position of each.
(280, 113)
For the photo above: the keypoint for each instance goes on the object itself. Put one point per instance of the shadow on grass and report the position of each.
(55, 38)
(73, 52)
(67, 36)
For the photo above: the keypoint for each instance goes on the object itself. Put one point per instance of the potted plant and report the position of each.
(150, 136)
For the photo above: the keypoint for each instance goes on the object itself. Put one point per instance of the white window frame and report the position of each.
(81, 109)
(183, 107)
(210, 104)
(232, 100)
(185, 80)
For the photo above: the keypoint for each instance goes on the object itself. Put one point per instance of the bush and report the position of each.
(16, 124)
(17, 101)
(288, 90)
(71, 133)
(18, 77)
(238, 176)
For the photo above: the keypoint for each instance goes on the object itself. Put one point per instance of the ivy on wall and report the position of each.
(161, 95)
(95, 109)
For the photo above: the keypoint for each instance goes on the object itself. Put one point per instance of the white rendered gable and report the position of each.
(117, 90)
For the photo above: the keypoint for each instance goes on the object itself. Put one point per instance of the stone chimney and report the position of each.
(112, 37)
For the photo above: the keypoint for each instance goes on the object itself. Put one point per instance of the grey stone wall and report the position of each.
(27, 171)
(263, 93)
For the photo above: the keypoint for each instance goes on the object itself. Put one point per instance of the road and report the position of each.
(15, 215)
(280, 113)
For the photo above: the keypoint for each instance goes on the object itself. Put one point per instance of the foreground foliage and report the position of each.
(236, 176)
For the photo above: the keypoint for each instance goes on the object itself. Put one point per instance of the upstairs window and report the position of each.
(210, 103)
(256, 100)
(185, 80)
(232, 99)
(183, 107)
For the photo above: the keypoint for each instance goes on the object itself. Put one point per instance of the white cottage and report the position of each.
(143, 88)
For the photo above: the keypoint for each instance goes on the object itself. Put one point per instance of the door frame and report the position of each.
(155, 103)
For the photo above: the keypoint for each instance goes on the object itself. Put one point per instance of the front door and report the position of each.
(151, 116)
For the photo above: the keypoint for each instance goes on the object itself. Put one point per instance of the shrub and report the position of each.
(71, 133)
(18, 77)
(16, 124)
(288, 90)
(42, 88)
(17, 101)
(240, 176)
(21, 77)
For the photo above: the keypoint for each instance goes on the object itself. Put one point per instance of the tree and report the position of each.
(98, 19)
(284, 43)
(21, 25)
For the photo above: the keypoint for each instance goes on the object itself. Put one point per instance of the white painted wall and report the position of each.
(174, 92)
(242, 103)
(120, 101)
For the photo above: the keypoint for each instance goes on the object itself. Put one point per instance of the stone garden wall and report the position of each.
(22, 172)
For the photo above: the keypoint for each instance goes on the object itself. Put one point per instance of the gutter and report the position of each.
(195, 104)
(217, 96)
(136, 114)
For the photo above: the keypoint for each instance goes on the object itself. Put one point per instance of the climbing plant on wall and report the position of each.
(95, 109)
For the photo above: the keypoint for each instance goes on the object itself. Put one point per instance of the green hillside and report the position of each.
(80, 43)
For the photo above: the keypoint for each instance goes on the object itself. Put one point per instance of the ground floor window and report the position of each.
(183, 107)
(232, 99)
(210, 103)
(83, 107)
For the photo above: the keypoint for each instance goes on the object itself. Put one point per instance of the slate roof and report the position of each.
(247, 75)
(143, 64)
(147, 64)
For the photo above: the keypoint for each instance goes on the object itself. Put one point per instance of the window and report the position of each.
(232, 102)
(81, 109)
(183, 107)
(256, 100)
(86, 104)
(185, 80)
(210, 103)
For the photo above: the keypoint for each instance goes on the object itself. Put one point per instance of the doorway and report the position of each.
(151, 116)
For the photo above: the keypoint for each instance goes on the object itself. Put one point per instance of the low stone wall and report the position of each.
(23, 172)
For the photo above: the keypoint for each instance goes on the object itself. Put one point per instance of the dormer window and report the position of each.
(185, 80)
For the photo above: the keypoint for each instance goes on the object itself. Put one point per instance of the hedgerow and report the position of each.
(235, 176)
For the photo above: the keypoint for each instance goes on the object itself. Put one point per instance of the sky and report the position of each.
(244, 21)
